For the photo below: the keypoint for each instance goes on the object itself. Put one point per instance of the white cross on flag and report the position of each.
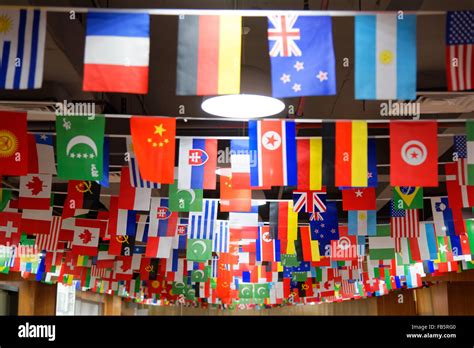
(10, 228)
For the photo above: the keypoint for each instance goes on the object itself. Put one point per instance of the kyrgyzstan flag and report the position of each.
(132, 198)
(35, 191)
(274, 143)
(413, 153)
(154, 144)
(86, 237)
(359, 199)
(13, 143)
(233, 199)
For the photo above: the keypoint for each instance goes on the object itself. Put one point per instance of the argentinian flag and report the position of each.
(385, 56)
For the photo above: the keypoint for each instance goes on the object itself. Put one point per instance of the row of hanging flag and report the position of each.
(303, 63)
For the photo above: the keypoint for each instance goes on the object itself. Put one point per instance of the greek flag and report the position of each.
(135, 177)
(220, 238)
(201, 224)
(22, 37)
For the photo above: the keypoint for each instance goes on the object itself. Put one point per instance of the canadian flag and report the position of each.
(10, 228)
(86, 237)
(35, 191)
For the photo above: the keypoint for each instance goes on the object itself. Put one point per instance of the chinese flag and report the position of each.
(359, 199)
(13, 143)
(154, 144)
(414, 153)
(235, 200)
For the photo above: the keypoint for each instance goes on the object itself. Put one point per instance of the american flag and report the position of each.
(309, 201)
(284, 36)
(460, 146)
(459, 41)
(49, 242)
(403, 224)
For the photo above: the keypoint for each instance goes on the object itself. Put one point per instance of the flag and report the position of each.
(202, 224)
(404, 223)
(43, 153)
(309, 201)
(197, 163)
(126, 223)
(325, 229)
(209, 50)
(122, 245)
(407, 197)
(413, 153)
(199, 250)
(10, 228)
(49, 242)
(329, 146)
(240, 162)
(442, 216)
(79, 147)
(274, 143)
(426, 242)
(460, 146)
(268, 248)
(132, 198)
(135, 177)
(470, 152)
(154, 144)
(284, 225)
(185, 200)
(244, 225)
(35, 191)
(86, 237)
(163, 222)
(104, 180)
(459, 52)
(445, 252)
(385, 56)
(351, 154)
(221, 237)
(81, 196)
(372, 165)
(117, 52)
(22, 46)
(232, 199)
(309, 161)
(359, 199)
(14, 145)
(36, 221)
(309, 247)
(142, 228)
(382, 246)
(460, 196)
(362, 222)
(5, 196)
(301, 55)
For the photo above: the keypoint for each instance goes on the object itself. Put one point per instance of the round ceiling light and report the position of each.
(242, 106)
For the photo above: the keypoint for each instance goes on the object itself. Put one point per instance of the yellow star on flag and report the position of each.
(159, 129)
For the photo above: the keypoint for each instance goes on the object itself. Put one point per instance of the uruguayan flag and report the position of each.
(221, 237)
(22, 36)
(385, 57)
(202, 224)
(135, 177)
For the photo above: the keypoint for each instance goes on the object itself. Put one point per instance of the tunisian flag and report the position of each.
(154, 144)
(413, 153)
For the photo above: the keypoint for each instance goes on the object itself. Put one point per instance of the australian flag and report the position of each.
(301, 55)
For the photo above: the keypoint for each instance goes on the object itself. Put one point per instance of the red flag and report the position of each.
(13, 143)
(154, 144)
(10, 228)
(359, 199)
(459, 196)
(86, 237)
(413, 153)
(234, 199)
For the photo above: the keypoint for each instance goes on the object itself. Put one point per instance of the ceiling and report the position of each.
(64, 67)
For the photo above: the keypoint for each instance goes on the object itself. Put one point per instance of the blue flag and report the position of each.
(301, 56)
(326, 229)
(105, 164)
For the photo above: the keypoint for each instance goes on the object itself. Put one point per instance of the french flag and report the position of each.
(117, 52)
(197, 164)
(274, 142)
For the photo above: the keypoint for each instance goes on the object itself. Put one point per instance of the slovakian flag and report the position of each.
(41, 154)
(14, 147)
(268, 248)
(154, 144)
(385, 56)
(197, 163)
(132, 198)
(117, 52)
(359, 199)
(301, 55)
(86, 237)
(163, 222)
(35, 191)
(414, 153)
(309, 161)
(351, 156)
(274, 143)
(209, 51)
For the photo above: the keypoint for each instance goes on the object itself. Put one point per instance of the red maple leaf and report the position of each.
(35, 185)
(86, 236)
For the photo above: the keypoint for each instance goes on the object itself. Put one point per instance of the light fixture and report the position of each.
(254, 101)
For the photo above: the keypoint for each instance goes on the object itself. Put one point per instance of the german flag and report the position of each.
(209, 49)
